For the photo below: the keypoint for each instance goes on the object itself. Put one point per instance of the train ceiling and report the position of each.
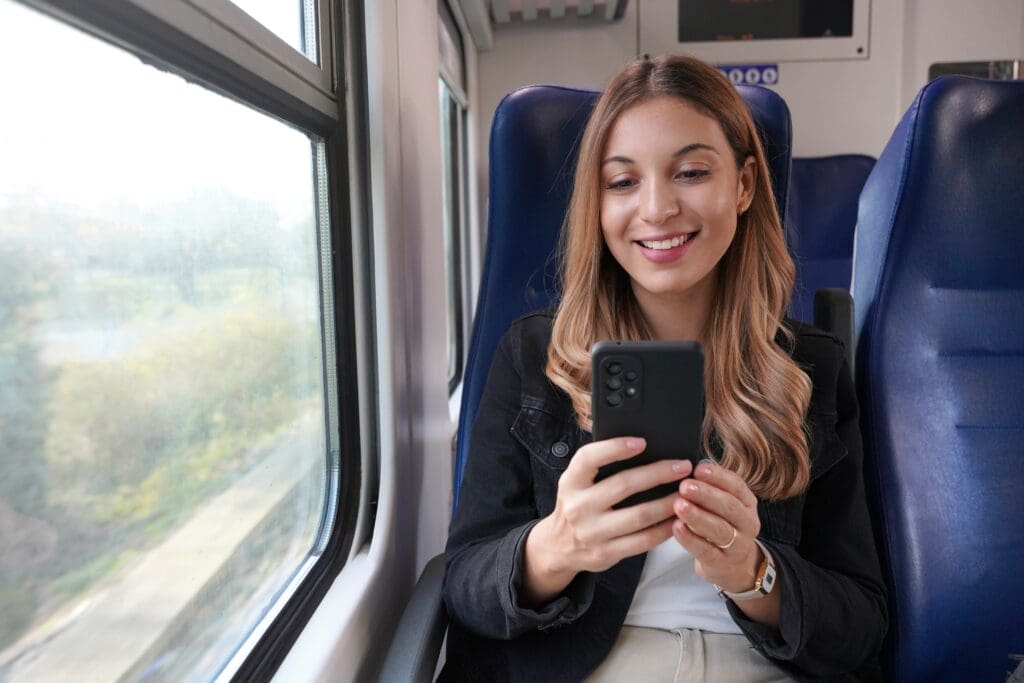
(483, 16)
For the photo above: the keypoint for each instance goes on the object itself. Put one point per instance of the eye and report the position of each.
(623, 184)
(692, 175)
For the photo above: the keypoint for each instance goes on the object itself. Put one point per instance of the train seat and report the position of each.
(939, 288)
(822, 212)
(533, 143)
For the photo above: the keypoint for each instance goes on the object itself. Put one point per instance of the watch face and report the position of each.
(769, 580)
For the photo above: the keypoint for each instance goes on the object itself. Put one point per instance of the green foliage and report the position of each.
(212, 308)
(19, 607)
(185, 410)
(23, 387)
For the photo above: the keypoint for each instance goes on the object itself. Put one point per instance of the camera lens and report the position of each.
(630, 376)
(614, 399)
(614, 368)
(614, 384)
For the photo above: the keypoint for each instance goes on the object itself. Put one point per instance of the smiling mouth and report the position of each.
(671, 243)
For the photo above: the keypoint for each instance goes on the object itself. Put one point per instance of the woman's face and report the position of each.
(670, 197)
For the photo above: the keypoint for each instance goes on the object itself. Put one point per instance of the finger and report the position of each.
(722, 503)
(641, 541)
(727, 480)
(621, 485)
(694, 544)
(710, 526)
(636, 517)
(589, 458)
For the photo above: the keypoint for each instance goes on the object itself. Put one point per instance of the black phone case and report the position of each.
(650, 389)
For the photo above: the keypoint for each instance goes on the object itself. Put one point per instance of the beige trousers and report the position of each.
(642, 655)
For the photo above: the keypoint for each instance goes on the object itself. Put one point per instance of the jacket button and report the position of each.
(559, 449)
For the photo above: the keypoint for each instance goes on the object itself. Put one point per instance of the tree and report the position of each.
(24, 383)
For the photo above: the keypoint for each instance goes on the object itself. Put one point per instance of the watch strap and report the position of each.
(763, 583)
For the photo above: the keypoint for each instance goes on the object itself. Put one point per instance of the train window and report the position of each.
(289, 20)
(452, 97)
(168, 397)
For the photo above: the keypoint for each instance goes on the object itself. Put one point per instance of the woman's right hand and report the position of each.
(584, 532)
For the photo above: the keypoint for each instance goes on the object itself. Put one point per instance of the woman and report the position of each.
(761, 565)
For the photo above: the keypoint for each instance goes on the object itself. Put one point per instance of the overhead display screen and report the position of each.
(727, 20)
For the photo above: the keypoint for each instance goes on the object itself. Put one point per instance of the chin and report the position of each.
(667, 289)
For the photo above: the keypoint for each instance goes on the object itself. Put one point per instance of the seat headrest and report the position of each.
(820, 218)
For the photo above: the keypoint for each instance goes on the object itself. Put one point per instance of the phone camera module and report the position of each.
(614, 400)
(614, 384)
(614, 368)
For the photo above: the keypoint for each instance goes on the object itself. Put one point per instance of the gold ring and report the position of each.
(731, 540)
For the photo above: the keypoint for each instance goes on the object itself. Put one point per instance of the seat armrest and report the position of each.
(416, 646)
(833, 312)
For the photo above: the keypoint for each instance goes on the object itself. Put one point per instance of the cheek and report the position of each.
(721, 207)
(611, 216)
(614, 219)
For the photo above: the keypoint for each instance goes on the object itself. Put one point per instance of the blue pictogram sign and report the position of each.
(751, 74)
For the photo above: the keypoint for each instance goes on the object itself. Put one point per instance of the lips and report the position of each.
(666, 248)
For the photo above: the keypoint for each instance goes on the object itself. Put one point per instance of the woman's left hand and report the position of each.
(717, 524)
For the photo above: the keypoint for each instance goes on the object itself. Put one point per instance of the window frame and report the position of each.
(456, 87)
(217, 45)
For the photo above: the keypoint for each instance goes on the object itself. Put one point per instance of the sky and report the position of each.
(85, 122)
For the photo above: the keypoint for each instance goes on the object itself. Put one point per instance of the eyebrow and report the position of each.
(680, 152)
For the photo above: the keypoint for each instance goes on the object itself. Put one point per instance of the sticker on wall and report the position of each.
(751, 74)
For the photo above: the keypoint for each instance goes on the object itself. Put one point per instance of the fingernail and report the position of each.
(634, 443)
(680, 465)
(707, 461)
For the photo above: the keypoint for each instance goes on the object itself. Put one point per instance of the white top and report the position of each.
(671, 595)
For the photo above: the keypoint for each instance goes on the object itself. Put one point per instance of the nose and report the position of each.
(658, 202)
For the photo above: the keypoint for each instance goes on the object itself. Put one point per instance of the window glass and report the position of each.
(451, 97)
(451, 181)
(294, 21)
(162, 424)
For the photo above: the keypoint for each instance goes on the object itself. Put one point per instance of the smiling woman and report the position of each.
(666, 195)
(658, 122)
(672, 234)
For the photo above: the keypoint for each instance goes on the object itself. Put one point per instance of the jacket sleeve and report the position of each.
(833, 614)
(486, 543)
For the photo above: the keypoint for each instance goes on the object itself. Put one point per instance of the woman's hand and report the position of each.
(717, 523)
(584, 532)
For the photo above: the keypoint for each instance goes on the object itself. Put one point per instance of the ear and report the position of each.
(746, 182)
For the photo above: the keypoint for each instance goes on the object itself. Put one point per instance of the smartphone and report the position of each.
(654, 390)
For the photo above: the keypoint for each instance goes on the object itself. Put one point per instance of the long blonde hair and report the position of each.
(757, 396)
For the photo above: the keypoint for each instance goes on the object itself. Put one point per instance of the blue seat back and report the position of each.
(938, 282)
(533, 150)
(822, 212)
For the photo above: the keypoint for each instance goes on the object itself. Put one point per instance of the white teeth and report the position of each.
(666, 244)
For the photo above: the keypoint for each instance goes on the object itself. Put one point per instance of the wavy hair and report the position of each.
(757, 396)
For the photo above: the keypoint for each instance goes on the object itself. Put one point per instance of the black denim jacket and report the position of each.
(833, 615)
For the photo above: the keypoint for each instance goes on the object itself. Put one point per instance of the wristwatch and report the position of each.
(763, 584)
